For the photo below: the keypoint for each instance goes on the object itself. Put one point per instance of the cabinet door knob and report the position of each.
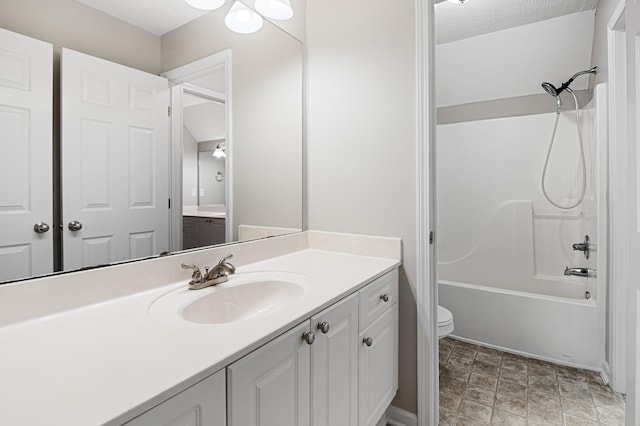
(40, 228)
(309, 337)
(384, 297)
(367, 341)
(324, 327)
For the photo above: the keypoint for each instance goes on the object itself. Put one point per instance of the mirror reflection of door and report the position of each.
(204, 150)
(115, 162)
(26, 209)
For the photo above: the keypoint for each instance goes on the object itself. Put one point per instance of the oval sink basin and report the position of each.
(243, 297)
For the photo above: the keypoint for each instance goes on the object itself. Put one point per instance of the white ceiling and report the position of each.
(476, 17)
(514, 62)
(205, 121)
(156, 16)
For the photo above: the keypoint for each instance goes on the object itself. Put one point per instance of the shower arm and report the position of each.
(565, 85)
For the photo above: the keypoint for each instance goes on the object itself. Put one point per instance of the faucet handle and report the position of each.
(228, 266)
(196, 276)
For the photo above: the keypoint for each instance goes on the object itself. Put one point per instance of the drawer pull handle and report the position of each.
(384, 297)
(309, 337)
(324, 327)
(367, 341)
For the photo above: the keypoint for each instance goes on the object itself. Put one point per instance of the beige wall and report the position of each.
(68, 23)
(361, 137)
(266, 138)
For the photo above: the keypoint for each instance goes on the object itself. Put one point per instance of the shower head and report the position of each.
(555, 91)
(550, 89)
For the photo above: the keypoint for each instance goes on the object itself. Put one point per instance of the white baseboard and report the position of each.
(399, 417)
(605, 374)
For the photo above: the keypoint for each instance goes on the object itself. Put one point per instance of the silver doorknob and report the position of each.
(74, 226)
(324, 327)
(309, 337)
(384, 297)
(40, 228)
(367, 341)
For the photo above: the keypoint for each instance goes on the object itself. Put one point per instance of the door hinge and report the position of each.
(169, 111)
(430, 237)
(169, 202)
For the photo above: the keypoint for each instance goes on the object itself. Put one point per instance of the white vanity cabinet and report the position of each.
(378, 342)
(308, 376)
(203, 404)
(334, 365)
(270, 386)
(322, 372)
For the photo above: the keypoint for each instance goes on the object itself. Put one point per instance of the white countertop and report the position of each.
(217, 212)
(108, 362)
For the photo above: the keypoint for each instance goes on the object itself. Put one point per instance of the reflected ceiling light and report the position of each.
(243, 20)
(220, 151)
(275, 9)
(205, 4)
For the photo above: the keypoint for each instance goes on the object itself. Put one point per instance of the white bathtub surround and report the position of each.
(503, 248)
(81, 348)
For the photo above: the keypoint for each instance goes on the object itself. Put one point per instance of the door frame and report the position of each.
(427, 283)
(177, 78)
(618, 200)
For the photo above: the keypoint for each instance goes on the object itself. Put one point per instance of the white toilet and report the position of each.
(445, 322)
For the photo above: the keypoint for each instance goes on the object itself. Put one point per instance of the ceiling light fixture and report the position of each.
(220, 151)
(279, 10)
(205, 4)
(457, 1)
(243, 20)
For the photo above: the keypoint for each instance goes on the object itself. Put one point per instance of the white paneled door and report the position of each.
(26, 212)
(115, 162)
(632, 20)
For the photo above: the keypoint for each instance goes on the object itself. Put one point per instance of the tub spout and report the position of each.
(580, 272)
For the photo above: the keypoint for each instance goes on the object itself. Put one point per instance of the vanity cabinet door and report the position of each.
(334, 365)
(203, 404)
(378, 367)
(188, 232)
(270, 386)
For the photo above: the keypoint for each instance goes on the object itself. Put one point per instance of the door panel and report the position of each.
(632, 22)
(26, 91)
(115, 161)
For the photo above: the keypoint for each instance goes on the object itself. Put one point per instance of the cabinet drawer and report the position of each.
(372, 298)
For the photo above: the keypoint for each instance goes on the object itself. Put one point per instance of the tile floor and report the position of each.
(479, 385)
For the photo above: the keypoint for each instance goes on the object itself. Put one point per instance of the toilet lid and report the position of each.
(444, 315)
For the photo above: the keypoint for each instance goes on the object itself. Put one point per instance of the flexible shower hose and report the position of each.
(584, 164)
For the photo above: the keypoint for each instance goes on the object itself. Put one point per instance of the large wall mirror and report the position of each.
(166, 134)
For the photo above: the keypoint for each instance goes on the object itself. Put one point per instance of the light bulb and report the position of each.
(243, 20)
(205, 4)
(275, 9)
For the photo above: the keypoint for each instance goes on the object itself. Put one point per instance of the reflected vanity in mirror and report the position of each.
(211, 155)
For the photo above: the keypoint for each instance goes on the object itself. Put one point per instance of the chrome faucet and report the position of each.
(217, 275)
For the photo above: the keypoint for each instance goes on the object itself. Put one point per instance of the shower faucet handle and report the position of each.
(584, 247)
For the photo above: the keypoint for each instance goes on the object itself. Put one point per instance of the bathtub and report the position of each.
(552, 328)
